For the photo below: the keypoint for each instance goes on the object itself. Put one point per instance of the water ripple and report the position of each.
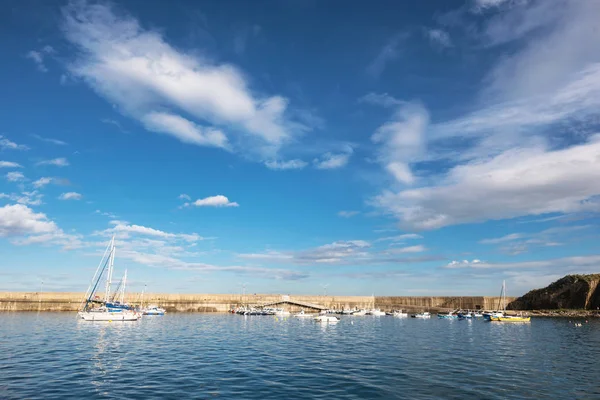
(205, 356)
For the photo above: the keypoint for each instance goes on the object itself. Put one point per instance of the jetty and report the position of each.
(69, 301)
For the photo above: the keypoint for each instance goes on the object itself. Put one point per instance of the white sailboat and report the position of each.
(95, 309)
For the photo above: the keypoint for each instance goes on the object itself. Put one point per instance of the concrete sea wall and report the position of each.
(55, 301)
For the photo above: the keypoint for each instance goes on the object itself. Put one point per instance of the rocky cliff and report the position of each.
(572, 292)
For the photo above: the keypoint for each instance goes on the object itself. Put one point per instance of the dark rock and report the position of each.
(570, 292)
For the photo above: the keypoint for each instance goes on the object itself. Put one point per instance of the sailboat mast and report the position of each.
(123, 288)
(142, 299)
(504, 295)
(110, 270)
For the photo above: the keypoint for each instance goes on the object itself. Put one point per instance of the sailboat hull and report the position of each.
(109, 316)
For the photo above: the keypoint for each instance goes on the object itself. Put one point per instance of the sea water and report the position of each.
(223, 356)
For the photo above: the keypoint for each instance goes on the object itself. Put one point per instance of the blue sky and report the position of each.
(396, 148)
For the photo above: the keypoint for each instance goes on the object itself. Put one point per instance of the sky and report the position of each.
(300, 147)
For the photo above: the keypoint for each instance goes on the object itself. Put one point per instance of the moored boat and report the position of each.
(502, 317)
(327, 319)
(423, 315)
(94, 309)
(302, 314)
(450, 315)
(154, 310)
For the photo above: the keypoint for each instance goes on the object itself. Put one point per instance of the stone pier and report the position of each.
(55, 301)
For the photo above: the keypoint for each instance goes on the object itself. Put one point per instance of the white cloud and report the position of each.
(50, 140)
(18, 220)
(123, 231)
(70, 196)
(15, 176)
(482, 5)
(400, 238)
(348, 214)
(408, 249)
(556, 40)
(9, 164)
(380, 99)
(38, 59)
(565, 264)
(185, 130)
(439, 37)
(106, 214)
(388, 53)
(170, 262)
(58, 162)
(6, 144)
(506, 238)
(184, 196)
(343, 252)
(515, 183)
(153, 82)
(402, 140)
(43, 182)
(283, 165)
(517, 243)
(333, 161)
(213, 201)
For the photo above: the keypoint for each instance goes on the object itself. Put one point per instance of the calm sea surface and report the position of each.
(203, 356)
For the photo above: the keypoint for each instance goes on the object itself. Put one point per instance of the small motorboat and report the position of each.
(423, 315)
(464, 315)
(154, 310)
(376, 312)
(302, 314)
(359, 313)
(450, 315)
(328, 319)
(400, 314)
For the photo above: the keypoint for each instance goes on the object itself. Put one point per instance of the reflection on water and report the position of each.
(54, 355)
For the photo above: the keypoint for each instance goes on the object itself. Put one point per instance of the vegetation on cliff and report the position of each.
(570, 292)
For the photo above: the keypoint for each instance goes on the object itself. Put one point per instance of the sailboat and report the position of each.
(507, 318)
(95, 309)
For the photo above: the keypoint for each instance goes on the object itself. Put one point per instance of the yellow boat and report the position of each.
(511, 319)
(508, 318)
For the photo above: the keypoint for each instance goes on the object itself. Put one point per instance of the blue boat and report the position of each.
(450, 315)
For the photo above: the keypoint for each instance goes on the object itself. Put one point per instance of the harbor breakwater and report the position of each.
(59, 301)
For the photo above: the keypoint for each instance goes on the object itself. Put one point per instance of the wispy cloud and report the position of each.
(506, 238)
(70, 196)
(408, 249)
(332, 160)
(516, 183)
(58, 162)
(6, 144)
(41, 182)
(10, 164)
(123, 231)
(15, 176)
(213, 201)
(26, 227)
(37, 56)
(342, 253)
(153, 82)
(50, 140)
(348, 214)
(389, 52)
(401, 140)
(106, 214)
(400, 238)
(439, 37)
(283, 165)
